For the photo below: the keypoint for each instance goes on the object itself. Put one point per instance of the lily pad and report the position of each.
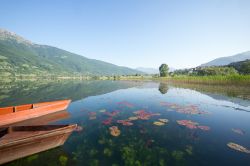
(157, 123)
(107, 121)
(114, 131)
(238, 147)
(144, 115)
(238, 131)
(102, 110)
(133, 118)
(205, 128)
(164, 120)
(125, 122)
(192, 125)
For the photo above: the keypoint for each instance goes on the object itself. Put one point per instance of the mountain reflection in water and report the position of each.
(143, 123)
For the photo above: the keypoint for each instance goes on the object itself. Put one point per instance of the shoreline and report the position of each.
(208, 80)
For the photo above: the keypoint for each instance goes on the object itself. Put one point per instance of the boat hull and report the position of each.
(44, 120)
(24, 112)
(32, 142)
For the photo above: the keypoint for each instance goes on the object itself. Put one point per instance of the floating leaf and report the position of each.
(102, 110)
(113, 113)
(239, 131)
(192, 125)
(114, 131)
(238, 147)
(107, 121)
(157, 123)
(205, 128)
(144, 115)
(125, 122)
(133, 118)
(163, 120)
(188, 123)
(139, 112)
(189, 109)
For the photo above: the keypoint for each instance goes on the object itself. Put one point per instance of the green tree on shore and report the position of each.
(163, 70)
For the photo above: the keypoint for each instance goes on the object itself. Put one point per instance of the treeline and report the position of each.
(242, 67)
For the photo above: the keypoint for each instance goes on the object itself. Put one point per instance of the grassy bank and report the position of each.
(213, 80)
(216, 80)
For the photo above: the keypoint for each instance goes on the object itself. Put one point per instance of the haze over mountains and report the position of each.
(227, 60)
(19, 56)
(148, 70)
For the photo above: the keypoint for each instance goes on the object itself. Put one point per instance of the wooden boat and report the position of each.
(44, 120)
(21, 141)
(14, 114)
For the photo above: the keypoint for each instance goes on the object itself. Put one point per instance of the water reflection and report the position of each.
(20, 92)
(163, 87)
(219, 91)
(135, 124)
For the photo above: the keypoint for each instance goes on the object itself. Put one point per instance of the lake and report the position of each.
(142, 122)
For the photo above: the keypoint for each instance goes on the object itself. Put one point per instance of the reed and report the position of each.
(231, 79)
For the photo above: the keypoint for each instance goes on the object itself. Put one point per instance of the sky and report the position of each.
(134, 33)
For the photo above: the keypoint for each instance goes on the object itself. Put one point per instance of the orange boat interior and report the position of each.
(17, 132)
(12, 109)
(7, 110)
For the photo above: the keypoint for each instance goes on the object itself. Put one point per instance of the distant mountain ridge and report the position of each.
(148, 70)
(19, 56)
(227, 60)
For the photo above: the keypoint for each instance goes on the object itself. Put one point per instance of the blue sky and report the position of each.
(134, 33)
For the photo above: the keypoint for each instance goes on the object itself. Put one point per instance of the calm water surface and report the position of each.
(97, 105)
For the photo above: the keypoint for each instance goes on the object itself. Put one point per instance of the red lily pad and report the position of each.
(188, 109)
(125, 122)
(107, 121)
(192, 125)
(144, 115)
(113, 113)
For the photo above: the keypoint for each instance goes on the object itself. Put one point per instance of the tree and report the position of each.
(214, 70)
(163, 70)
(245, 68)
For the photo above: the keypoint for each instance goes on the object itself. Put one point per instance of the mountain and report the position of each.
(19, 56)
(151, 70)
(227, 60)
(148, 70)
